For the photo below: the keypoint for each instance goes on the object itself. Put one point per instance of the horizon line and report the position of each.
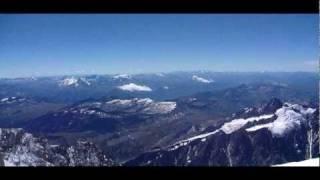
(170, 72)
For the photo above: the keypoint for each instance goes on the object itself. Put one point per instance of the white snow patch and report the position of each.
(144, 100)
(237, 124)
(4, 99)
(315, 162)
(287, 119)
(200, 79)
(84, 80)
(187, 141)
(122, 76)
(134, 87)
(247, 110)
(257, 127)
(120, 101)
(54, 145)
(160, 107)
(69, 82)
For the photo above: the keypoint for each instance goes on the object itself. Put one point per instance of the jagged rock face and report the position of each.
(87, 154)
(18, 148)
(278, 133)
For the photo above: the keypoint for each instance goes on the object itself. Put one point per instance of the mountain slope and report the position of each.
(129, 126)
(104, 115)
(289, 133)
(16, 111)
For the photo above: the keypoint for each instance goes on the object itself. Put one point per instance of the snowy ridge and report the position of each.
(227, 128)
(131, 87)
(200, 79)
(148, 105)
(288, 117)
(135, 105)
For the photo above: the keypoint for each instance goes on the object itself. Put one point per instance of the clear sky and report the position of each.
(56, 44)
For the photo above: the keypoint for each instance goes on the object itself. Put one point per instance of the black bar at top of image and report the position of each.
(159, 6)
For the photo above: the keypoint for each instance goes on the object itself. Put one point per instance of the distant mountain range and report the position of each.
(178, 119)
(158, 86)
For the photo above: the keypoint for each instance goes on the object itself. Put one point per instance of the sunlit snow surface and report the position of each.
(315, 162)
(131, 87)
(237, 124)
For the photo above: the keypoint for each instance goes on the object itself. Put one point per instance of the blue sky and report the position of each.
(56, 44)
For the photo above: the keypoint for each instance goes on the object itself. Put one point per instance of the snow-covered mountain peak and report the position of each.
(74, 82)
(69, 82)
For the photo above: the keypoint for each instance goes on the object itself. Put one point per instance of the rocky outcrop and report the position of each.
(18, 148)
